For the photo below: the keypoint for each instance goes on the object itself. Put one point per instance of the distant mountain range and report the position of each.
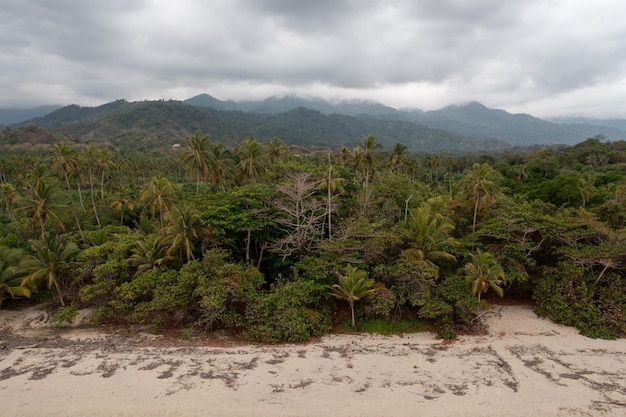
(312, 123)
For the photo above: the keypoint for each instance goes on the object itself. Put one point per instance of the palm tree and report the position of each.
(430, 234)
(250, 160)
(195, 157)
(484, 272)
(332, 185)
(66, 161)
(150, 254)
(479, 184)
(91, 158)
(366, 157)
(123, 200)
(352, 286)
(275, 149)
(51, 259)
(40, 202)
(104, 164)
(220, 161)
(10, 278)
(185, 226)
(158, 196)
(8, 194)
(399, 158)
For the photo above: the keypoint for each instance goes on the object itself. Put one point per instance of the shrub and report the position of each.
(291, 311)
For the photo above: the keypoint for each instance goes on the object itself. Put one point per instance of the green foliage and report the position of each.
(568, 296)
(225, 290)
(352, 286)
(65, 315)
(291, 311)
(385, 327)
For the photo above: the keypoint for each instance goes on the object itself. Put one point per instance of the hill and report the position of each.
(162, 123)
(315, 122)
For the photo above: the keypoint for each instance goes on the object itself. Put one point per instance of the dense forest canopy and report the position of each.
(271, 241)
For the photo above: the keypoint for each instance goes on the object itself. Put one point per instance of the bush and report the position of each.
(569, 296)
(291, 311)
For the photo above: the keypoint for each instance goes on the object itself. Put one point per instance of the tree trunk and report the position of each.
(328, 203)
(352, 311)
(477, 198)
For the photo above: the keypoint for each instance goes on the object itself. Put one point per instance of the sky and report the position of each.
(542, 57)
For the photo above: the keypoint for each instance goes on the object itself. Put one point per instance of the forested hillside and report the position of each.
(152, 124)
(273, 243)
(464, 128)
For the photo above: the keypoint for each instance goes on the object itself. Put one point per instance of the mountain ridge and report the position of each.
(463, 127)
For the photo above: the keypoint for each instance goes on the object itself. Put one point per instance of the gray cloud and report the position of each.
(543, 57)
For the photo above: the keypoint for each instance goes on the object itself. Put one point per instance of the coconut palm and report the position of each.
(66, 160)
(220, 161)
(400, 159)
(158, 196)
(332, 185)
(150, 254)
(10, 277)
(195, 157)
(50, 260)
(352, 286)
(184, 228)
(429, 233)
(8, 194)
(91, 157)
(250, 161)
(479, 184)
(365, 156)
(484, 272)
(123, 201)
(40, 202)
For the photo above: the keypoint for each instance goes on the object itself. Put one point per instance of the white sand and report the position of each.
(526, 366)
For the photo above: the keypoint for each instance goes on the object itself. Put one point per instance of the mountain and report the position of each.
(13, 116)
(314, 122)
(475, 120)
(150, 124)
(615, 123)
(470, 119)
(205, 100)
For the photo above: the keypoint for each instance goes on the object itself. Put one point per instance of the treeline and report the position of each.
(272, 241)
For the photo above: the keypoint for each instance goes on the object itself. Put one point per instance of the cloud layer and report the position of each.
(544, 57)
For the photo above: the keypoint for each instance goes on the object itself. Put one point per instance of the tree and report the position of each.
(332, 185)
(123, 201)
(185, 227)
(91, 158)
(352, 286)
(250, 161)
(150, 254)
(429, 233)
(8, 194)
(10, 277)
(195, 157)
(479, 185)
(366, 157)
(158, 197)
(220, 161)
(52, 258)
(66, 160)
(400, 160)
(300, 215)
(484, 272)
(41, 202)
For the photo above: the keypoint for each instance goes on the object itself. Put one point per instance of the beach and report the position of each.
(523, 365)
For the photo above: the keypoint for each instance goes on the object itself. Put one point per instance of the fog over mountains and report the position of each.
(314, 122)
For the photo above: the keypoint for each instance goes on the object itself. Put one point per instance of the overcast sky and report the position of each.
(543, 57)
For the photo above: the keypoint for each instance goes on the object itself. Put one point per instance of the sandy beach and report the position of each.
(523, 366)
